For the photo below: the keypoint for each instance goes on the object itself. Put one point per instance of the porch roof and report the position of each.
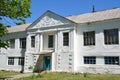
(44, 52)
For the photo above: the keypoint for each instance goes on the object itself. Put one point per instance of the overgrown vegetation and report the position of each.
(69, 76)
(7, 73)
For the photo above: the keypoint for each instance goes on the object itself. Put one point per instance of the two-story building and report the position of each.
(85, 43)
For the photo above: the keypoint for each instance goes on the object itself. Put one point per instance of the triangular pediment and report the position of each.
(49, 19)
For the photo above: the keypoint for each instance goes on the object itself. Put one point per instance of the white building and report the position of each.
(81, 43)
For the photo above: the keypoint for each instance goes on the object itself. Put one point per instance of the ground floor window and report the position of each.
(10, 60)
(111, 60)
(89, 60)
(21, 61)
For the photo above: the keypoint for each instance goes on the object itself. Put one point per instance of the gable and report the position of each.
(49, 19)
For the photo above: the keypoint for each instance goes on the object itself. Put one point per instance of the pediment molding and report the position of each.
(49, 19)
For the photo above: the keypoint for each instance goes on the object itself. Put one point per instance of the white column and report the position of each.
(41, 42)
(28, 43)
(75, 50)
(37, 42)
(54, 61)
(56, 42)
(17, 43)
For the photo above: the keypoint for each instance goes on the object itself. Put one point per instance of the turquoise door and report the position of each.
(47, 62)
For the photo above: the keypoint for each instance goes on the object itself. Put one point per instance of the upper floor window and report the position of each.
(12, 43)
(111, 36)
(50, 41)
(21, 61)
(10, 60)
(22, 42)
(89, 60)
(33, 41)
(89, 38)
(111, 60)
(65, 39)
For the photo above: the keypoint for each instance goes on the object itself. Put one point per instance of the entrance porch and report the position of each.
(44, 61)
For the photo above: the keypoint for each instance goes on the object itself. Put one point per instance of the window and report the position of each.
(33, 41)
(89, 60)
(21, 61)
(111, 36)
(50, 41)
(22, 42)
(66, 39)
(89, 38)
(10, 60)
(113, 60)
(12, 43)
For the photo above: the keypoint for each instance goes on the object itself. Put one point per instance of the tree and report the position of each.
(16, 10)
(3, 31)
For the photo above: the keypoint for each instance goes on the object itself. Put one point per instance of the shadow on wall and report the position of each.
(23, 55)
(39, 64)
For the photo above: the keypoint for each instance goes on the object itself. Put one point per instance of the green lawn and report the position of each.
(7, 73)
(67, 76)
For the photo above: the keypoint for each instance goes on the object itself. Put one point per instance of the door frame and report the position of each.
(46, 63)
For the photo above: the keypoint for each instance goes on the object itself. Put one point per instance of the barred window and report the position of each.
(89, 38)
(111, 36)
(22, 42)
(66, 39)
(89, 60)
(33, 41)
(12, 43)
(111, 60)
(10, 60)
(50, 41)
(21, 61)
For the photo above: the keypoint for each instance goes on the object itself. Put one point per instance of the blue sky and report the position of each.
(68, 7)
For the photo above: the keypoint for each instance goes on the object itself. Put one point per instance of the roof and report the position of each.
(18, 28)
(82, 18)
(96, 16)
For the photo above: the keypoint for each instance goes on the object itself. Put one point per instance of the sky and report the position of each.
(68, 7)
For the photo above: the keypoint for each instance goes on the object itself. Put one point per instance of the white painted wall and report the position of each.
(99, 50)
(16, 52)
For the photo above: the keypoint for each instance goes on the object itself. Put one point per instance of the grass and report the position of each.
(7, 73)
(68, 76)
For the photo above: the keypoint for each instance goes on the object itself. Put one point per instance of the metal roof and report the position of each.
(82, 18)
(96, 16)
(18, 28)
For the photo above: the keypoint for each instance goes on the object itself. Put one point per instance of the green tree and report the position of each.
(16, 10)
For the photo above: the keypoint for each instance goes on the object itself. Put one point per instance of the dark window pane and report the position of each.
(21, 61)
(111, 36)
(10, 60)
(33, 41)
(22, 42)
(111, 60)
(12, 43)
(50, 41)
(89, 60)
(66, 39)
(89, 38)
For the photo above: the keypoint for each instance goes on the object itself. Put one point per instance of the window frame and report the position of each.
(89, 59)
(33, 41)
(23, 41)
(12, 43)
(109, 60)
(65, 38)
(11, 60)
(50, 41)
(21, 61)
(89, 38)
(111, 36)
